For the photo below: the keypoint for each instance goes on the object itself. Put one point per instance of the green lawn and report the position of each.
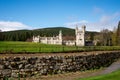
(7, 46)
(112, 76)
(32, 47)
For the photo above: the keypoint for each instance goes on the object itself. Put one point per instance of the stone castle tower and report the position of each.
(80, 36)
(60, 37)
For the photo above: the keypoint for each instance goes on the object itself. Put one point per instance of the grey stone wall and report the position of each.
(30, 66)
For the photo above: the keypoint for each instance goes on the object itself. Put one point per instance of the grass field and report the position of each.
(32, 47)
(9, 46)
(112, 76)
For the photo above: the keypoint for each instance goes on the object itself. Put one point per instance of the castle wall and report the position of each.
(69, 43)
(51, 40)
(36, 39)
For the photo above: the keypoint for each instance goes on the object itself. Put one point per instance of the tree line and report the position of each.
(23, 35)
(109, 38)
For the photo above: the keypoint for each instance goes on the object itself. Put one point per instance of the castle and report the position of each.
(79, 41)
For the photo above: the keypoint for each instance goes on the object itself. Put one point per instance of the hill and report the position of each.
(23, 35)
(54, 31)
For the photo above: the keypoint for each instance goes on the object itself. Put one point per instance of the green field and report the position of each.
(32, 47)
(9, 46)
(112, 76)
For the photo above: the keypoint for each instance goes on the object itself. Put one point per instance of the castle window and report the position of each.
(49, 38)
(54, 38)
(42, 38)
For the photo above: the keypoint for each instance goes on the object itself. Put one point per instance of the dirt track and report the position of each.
(53, 54)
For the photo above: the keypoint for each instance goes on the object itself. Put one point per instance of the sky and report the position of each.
(36, 14)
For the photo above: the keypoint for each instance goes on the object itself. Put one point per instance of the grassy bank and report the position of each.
(6, 46)
(112, 76)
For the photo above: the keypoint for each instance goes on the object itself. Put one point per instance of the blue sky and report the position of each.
(33, 14)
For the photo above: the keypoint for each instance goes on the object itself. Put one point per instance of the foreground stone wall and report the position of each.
(30, 66)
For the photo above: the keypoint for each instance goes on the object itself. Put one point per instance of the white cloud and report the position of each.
(71, 24)
(106, 21)
(97, 10)
(12, 25)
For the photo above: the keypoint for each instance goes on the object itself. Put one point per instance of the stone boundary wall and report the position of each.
(30, 66)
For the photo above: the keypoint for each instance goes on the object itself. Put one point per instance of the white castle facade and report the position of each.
(49, 40)
(79, 41)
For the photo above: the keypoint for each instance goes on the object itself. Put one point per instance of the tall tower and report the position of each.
(80, 36)
(60, 37)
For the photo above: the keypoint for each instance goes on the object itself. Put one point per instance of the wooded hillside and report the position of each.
(23, 35)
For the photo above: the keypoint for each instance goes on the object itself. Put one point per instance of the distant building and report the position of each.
(49, 40)
(79, 41)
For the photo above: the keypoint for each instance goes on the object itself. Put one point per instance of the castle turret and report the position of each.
(80, 36)
(60, 37)
(83, 28)
(76, 30)
(60, 34)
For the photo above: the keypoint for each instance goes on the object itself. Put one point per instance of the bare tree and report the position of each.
(104, 38)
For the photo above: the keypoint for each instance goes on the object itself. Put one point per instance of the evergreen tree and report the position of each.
(1, 36)
(118, 33)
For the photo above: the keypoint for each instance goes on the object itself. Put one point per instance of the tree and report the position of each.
(118, 33)
(1, 36)
(106, 37)
(114, 37)
(92, 36)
